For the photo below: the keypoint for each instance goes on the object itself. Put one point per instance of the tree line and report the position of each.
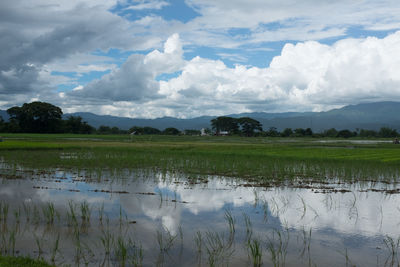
(250, 127)
(42, 117)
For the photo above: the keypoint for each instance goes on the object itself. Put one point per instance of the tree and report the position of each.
(273, 132)
(387, 132)
(299, 132)
(345, 134)
(368, 133)
(75, 125)
(225, 124)
(37, 117)
(136, 130)
(144, 130)
(151, 130)
(287, 132)
(171, 131)
(332, 132)
(3, 125)
(104, 129)
(192, 132)
(249, 125)
(308, 132)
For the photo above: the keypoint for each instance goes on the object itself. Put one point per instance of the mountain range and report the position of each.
(371, 116)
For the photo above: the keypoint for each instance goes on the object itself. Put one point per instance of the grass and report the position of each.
(9, 261)
(262, 159)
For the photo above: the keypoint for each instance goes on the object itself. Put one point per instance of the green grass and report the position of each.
(9, 261)
(259, 158)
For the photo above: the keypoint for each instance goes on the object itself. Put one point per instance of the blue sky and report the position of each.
(188, 58)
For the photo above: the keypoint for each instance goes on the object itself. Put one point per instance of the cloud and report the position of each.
(307, 75)
(268, 21)
(148, 5)
(135, 80)
(40, 38)
(35, 38)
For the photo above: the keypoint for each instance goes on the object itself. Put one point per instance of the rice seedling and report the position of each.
(85, 214)
(27, 211)
(101, 213)
(36, 215)
(231, 223)
(306, 238)
(39, 243)
(219, 250)
(4, 207)
(11, 242)
(160, 194)
(232, 157)
(128, 252)
(17, 215)
(78, 246)
(255, 252)
(249, 228)
(49, 213)
(348, 262)
(55, 249)
(256, 197)
(122, 216)
(198, 240)
(107, 240)
(265, 208)
(121, 251)
(273, 165)
(165, 241)
(277, 247)
(392, 245)
(72, 219)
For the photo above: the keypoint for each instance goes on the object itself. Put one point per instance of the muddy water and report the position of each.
(176, 220)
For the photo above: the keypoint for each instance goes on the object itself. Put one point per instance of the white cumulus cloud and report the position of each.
(305, 76)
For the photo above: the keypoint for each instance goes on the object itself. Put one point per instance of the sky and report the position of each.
(189, 58)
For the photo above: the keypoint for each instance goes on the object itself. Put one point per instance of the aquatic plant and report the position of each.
(55, 249)
(218, 248)
(49, 213)
(393, 246)
(249, 228)
(255, 252)
(165, 241)
(198, 240)
(231, 223)
(277, 246)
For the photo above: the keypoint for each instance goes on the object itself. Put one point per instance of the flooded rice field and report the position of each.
(135, 218)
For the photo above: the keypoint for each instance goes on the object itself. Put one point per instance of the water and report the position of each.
(163, 217)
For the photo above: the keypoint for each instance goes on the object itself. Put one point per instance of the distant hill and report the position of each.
(4, 115)
(126, 123)
(364, 116)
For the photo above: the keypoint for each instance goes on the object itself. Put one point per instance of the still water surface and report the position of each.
(177, 220)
